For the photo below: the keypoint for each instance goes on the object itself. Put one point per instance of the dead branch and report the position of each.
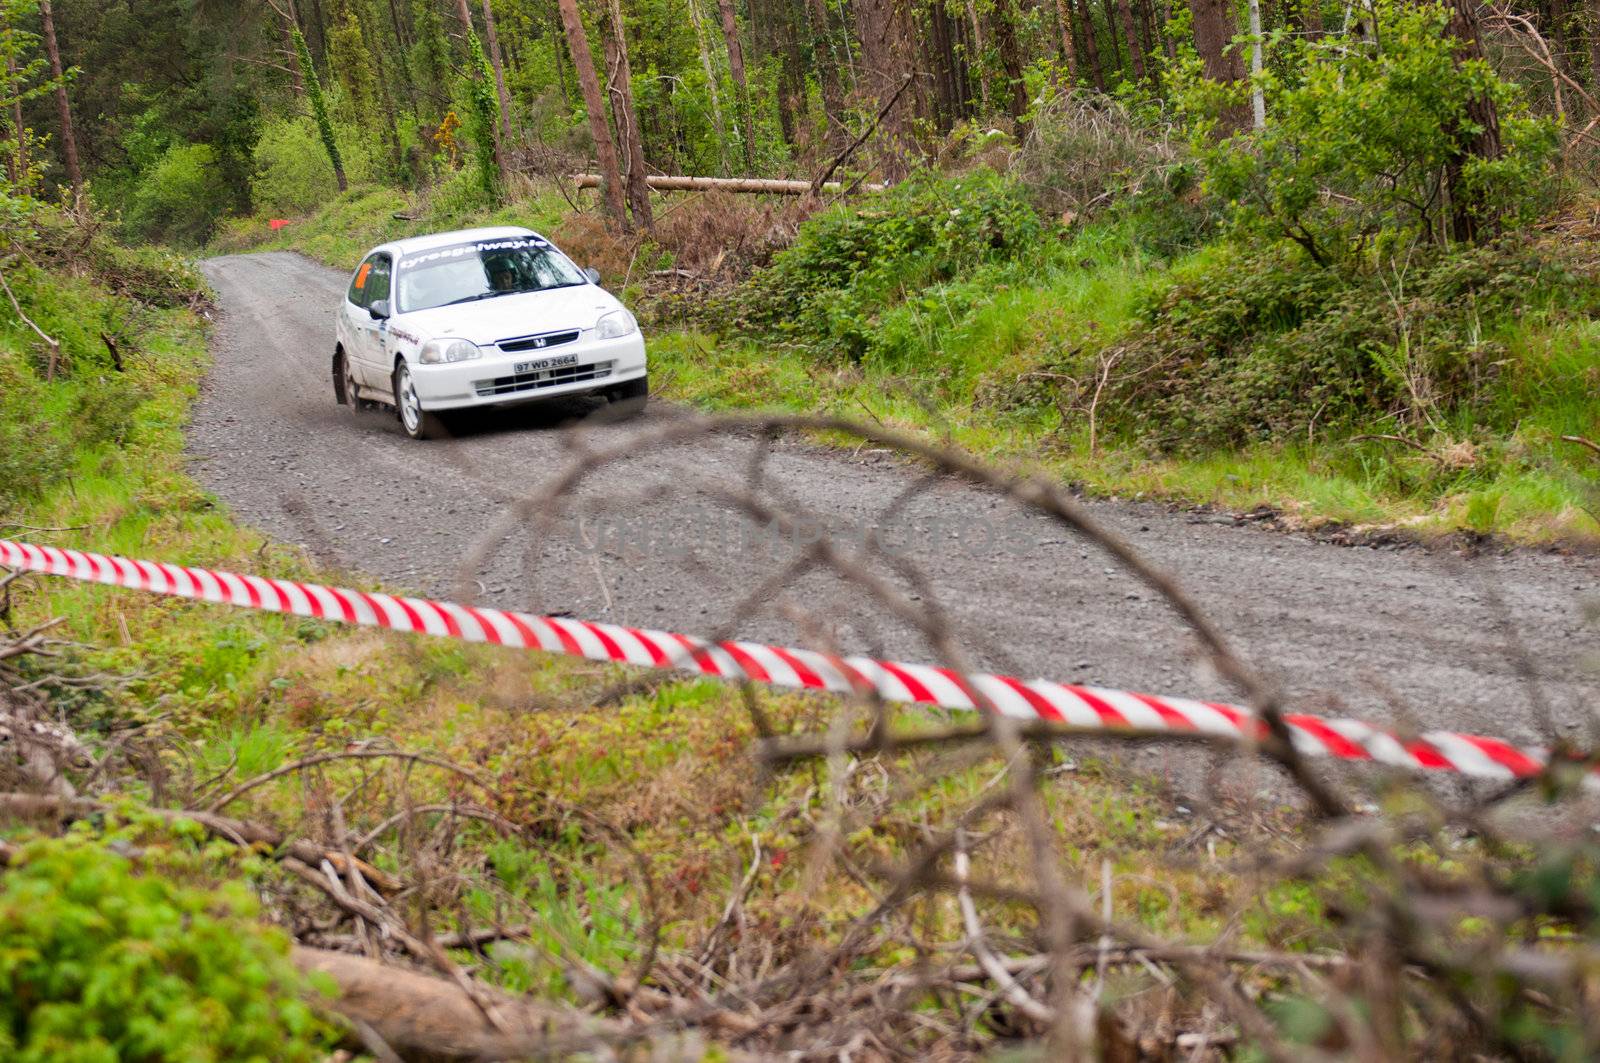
(750, 185)
(1386, 438)
(50, 343)
(820, 182)
(358, 754)
(1582, 442)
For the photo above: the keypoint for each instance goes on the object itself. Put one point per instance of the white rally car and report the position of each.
(481, 317)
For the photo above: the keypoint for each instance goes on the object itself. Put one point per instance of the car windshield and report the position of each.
(482, 270)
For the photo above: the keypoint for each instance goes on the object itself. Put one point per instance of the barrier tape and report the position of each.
(1037, 699)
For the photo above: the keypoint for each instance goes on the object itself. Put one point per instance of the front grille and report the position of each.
(537, 343)
(543, 378)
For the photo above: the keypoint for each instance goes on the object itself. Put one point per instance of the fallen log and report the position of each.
(752, 185)
(421, 1016)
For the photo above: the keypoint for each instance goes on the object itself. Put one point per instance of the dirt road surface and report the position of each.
(1402, 635)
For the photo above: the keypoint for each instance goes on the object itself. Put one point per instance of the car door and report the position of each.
(377, 335)
(370, 284)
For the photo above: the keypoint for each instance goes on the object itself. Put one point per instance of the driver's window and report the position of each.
(378, 282)
(361, 283)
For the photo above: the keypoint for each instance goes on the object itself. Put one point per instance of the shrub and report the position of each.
(179, 199)
(32, 453)
(105, 957)
(293, 175)
(1368, 142)
(1256, 345)
(851, 262)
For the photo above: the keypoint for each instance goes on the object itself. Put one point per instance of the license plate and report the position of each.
(558, 362)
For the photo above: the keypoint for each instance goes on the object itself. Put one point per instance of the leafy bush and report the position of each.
(179, 199)
(1255, 345)
(1368, 143)
(851, 262)
(293, 175)
(32, 454)
(106, 957)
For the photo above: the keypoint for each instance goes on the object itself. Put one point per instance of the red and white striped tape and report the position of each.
(1038, 699)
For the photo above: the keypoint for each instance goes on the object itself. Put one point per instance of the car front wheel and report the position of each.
(417, 422)
(630, 399)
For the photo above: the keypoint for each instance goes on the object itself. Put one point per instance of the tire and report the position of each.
(341, 380)
(630, 399)
(347, 385)
(414, 420)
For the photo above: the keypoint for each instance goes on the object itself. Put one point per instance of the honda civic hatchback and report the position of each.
(445, 324)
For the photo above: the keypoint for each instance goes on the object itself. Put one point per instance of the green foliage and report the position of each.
(319, 107)
(1367, 147)
(852, 262)
(293, 175)
(85, 291)
(483, 118)
(1252, 346)
(179, 199)
(351, 63)
(107, 957)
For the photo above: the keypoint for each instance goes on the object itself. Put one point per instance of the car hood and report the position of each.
(503, 317)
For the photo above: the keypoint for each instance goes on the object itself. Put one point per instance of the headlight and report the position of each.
(447, 350)
(617, 323)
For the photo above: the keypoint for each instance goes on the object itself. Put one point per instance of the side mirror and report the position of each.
(593, 275)
(379, 309)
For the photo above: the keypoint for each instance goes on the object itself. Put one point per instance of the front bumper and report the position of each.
(493, 380)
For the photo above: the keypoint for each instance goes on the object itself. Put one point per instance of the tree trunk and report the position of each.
(296, 84)
(1005, 38)
(1592, 32)
(1467, 221)
(1258, 100)
(19, 159)
(1214, 29)
(712, 80)
(1147, 36)
(400, 36)
(1135, 57)
(620, 86)
(730, 34)
(605, 149)
(885, 30)
(1091, 47)
(497, 60)
(948, 74)
(977, 49)
(1069, 50)
(69, 142)
(827, 70)
(1111, 32)
(1309, 15)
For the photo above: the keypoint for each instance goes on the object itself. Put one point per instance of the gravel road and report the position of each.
(1389, 633)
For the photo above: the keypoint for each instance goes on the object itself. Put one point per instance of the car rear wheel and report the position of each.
(630, 399)
(351, 395)
(417, 422)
